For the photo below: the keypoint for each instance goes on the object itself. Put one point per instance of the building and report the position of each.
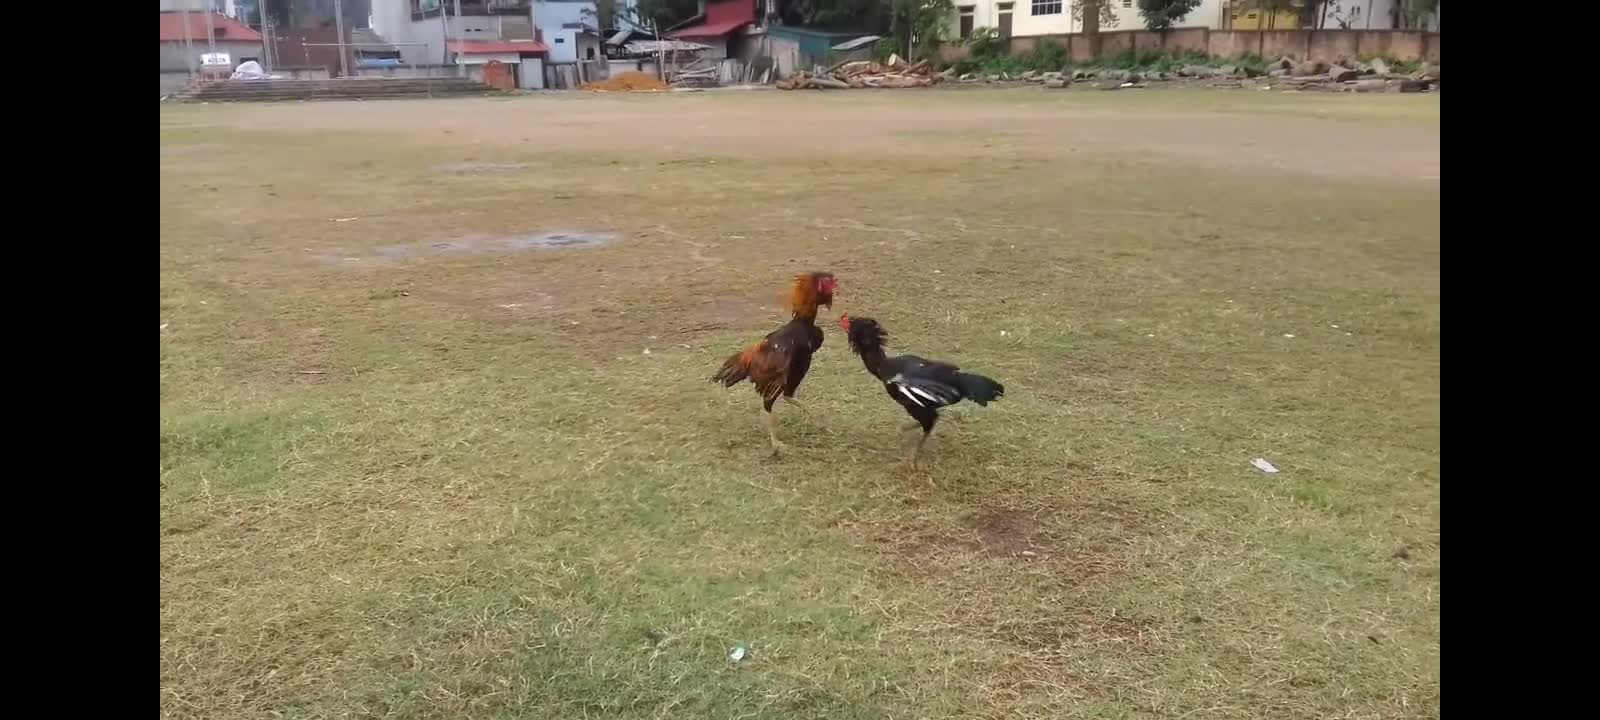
(1373, 15)
(1054, 17)
(306, 52)
(181, 52)
(719, 27)
(222, 7)
(430, 32)
(571, 28)
(798, 48)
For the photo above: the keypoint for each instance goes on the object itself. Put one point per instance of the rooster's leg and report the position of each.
(770, 422)
(916, 453)
(926, 421)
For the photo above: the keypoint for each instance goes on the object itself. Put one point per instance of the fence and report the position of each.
(1300, 44)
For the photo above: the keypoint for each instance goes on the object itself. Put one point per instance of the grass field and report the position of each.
(412, 468)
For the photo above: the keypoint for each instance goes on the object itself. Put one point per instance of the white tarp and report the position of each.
(249, 70)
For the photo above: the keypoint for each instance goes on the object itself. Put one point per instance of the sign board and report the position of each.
(215, 59)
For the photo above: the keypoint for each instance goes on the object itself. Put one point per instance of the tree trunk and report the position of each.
(1091, 26)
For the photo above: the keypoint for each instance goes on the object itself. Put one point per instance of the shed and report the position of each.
(799, 48)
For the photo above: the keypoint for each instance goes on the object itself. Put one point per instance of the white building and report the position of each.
(225, 7)
(430, 32)
(1054, 17)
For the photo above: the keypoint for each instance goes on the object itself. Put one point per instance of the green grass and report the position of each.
(455, 485)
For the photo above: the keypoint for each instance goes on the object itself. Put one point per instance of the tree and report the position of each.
(657, 15)
(278, 10)
(1414, 14)
(1094, 14)
(1159, 15)
(917, 25)
(852, 14)
(604, 14)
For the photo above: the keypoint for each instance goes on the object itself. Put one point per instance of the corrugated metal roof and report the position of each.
(222, 27)
(710, 30)
(721, 18)
(859, 42)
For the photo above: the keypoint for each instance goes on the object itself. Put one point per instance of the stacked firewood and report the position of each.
(893, 73)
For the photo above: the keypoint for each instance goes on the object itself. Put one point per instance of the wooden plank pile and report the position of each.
(894, 73)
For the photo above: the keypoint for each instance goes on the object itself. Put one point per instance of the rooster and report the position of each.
(778, 363)
(920, 386)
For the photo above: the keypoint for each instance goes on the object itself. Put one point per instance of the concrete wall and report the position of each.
(1317, 44)
(785, 53)
(531, 75)
(614, 67)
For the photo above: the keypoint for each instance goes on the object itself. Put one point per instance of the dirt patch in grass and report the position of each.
(1009, 532)
(481, 168)
(481, 244)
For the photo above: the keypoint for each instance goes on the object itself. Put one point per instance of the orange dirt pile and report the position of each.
(627, 82)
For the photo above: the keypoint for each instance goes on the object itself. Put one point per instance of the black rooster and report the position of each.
(920, 386)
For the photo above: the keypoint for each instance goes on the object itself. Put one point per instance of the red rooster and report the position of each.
(920, 386)
(778, 363)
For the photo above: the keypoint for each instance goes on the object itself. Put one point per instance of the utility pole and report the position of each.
(338, 26)
(211, 30)
(444, 29)
(188, 39)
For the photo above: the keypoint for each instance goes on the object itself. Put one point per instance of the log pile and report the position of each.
(894, 73)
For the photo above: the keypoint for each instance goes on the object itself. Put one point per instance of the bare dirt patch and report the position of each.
(1008, 532)
(481, 168)
(1303, 139)
(565, 240)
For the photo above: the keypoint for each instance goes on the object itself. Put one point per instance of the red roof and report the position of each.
(495, 47)
(721, 18)
(222, 26)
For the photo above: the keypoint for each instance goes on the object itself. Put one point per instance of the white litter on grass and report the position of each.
(1288, 335)
(738, 653)
(647, 351)
(163, 326)
(345, 219)
(1264, 466)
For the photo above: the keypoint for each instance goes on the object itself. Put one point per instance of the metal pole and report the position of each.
(444, 36)
(338, 26)
(269, 47)
(458, 22)
(211, 30)
(188, 39)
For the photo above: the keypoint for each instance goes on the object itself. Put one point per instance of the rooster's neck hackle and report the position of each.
(804, 297)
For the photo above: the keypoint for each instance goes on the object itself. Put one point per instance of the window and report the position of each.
(589, 53)
(1005, 6)
(1047, 7)
(966, 20)
(1127, 3)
